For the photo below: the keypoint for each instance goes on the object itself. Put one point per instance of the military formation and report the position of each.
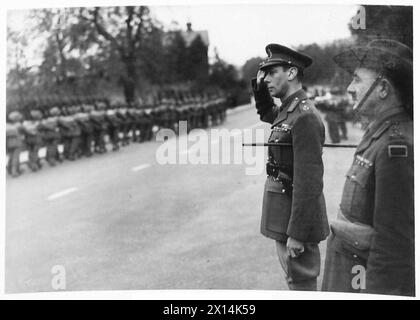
(82, 127)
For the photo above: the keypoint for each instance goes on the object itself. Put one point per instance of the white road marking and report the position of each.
(141, 167)
(61, 193)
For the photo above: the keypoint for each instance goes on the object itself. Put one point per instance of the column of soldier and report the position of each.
(81, 127)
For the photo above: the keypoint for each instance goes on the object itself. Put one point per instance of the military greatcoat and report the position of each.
(378, 192)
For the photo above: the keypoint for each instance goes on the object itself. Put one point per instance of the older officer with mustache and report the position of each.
(371, 248)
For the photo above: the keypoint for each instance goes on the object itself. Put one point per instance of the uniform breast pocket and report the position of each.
(282, 154)
(276, 207)
(357, 191)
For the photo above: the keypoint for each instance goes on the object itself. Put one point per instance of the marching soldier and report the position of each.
(82, 118)
(144, 122)
(100, 127)
(14, 142)
(70, 132)
(190, 112)
(222, 106)
(182, 110)
(132, 117)
(198, 112)
(114, 124)
(213, 111)
(51, 135)
(126, 123)
(373, 235)
(293, 212)
(205, 112)
(33, 139)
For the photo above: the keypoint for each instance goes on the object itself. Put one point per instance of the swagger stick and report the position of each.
(280, 144)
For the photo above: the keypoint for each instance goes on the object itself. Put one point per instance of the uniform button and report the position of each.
(355, 256)
(283, 191)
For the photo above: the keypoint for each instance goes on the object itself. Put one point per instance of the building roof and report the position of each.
(190, 35)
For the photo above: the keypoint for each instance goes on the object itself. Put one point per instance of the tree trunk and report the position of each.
(130, 81)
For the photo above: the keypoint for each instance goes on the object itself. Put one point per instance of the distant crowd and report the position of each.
(81, 127)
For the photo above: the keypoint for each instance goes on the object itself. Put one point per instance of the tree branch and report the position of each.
(102, 31)
(129, 30)
(140, 15)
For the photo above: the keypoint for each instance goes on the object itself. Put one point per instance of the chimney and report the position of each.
(189, 29)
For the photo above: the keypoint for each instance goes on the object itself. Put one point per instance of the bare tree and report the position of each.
(124, 28)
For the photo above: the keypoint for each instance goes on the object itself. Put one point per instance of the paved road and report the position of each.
(123, 221)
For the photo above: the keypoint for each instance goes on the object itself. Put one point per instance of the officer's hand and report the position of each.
(263, 100)
(260, 78)
(294, 247)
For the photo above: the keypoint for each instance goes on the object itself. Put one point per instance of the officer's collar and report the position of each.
(378, 127)
(300, 94)
(383, 116)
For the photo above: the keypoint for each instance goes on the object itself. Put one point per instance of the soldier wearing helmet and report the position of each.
(33, 138)
(14, 142)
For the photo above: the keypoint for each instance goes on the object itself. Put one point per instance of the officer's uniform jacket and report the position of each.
(302, 214)
(379, 192)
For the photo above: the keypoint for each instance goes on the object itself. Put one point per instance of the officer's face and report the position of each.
(362, 80)
(277, 81)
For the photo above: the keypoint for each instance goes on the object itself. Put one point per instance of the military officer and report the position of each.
(293, 212)
(371, 247)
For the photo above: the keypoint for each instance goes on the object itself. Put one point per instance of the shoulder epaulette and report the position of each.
(381, 130)
(305, 105)
(293, 105)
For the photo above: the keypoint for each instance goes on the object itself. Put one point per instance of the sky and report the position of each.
(239, 32)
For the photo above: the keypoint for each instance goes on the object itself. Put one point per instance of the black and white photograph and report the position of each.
(243, 147)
